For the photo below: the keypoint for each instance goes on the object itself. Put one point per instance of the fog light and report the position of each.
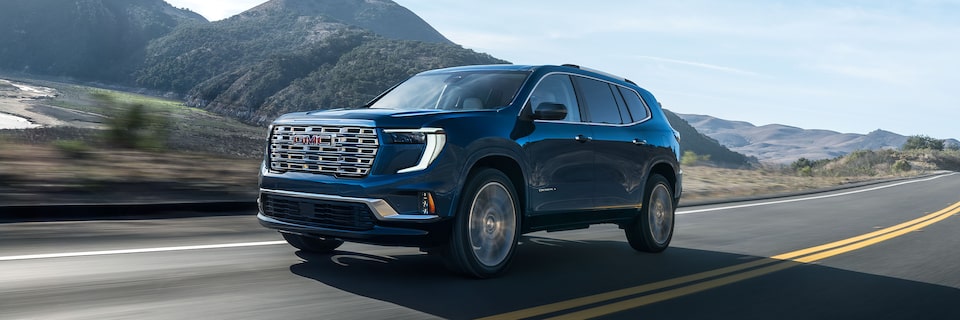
(427, 206)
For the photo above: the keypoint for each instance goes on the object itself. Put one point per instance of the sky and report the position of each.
(848, 66)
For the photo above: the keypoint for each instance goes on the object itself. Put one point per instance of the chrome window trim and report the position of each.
(645, 105)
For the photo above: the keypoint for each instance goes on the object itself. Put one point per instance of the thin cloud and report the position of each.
(700, 65)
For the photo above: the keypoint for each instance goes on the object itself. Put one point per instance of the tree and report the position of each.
(920, 142)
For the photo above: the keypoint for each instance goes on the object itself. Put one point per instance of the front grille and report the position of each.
(318, 213)
(330, 150)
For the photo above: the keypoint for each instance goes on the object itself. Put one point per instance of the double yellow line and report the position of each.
(720, 277)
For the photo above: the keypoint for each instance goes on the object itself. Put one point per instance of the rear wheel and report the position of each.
(487, 226)
(652, 229)
(309, 244)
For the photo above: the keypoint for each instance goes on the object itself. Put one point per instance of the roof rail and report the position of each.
(570, 65)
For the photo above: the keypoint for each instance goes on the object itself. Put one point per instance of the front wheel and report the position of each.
(487, 226)
(652, 229)
(313, 245)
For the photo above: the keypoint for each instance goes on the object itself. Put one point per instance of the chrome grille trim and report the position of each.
(342, 151)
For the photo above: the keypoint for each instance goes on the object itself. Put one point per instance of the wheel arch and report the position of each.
(667, 171)
(509, 166)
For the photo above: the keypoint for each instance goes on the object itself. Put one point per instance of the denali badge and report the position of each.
(323, 139)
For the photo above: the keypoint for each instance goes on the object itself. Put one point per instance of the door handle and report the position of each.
(639, 142)
(581, 138)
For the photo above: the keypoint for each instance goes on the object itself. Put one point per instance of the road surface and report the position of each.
(889, 251)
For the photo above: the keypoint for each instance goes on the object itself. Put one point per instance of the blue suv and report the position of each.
(462, 161)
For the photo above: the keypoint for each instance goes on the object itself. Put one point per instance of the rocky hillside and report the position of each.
(98, 40)
(784, 144)
(281, 56)
(382, 17)
(297, 55)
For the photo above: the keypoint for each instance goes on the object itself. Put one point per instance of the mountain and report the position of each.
(296, 55)
(98, 40)
(382, 17)
(779, 143)
(692, 140)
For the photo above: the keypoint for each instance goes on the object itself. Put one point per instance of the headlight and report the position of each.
(405, 137)
(433, 138)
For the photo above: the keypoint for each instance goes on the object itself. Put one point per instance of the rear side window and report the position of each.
(601, 105)
(637, 109)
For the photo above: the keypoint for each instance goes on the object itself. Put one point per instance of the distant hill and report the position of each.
(94, 40)
(784, 144)
(692, 140)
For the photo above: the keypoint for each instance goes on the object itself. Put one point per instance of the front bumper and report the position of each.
(379, 207)
(353, 219)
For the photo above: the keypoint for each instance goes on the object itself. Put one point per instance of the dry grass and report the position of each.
(709, 183)
(46, 174)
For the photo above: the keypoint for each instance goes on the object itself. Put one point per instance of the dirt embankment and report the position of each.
(23, 106)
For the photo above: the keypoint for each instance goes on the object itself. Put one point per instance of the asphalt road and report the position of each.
(892, 252)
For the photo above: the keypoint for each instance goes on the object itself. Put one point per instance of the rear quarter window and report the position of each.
(638, 110)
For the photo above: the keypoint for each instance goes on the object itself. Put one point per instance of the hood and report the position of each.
(382, 118)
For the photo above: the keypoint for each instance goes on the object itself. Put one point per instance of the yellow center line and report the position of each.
(932, 218)
(672, 294)
(770, 265)
(803, 252)
(579, 302)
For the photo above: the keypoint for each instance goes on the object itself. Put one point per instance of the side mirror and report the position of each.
(550, 111)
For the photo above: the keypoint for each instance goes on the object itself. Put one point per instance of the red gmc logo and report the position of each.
(324, 139)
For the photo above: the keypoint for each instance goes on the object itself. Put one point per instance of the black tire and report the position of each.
(314, 245)
(652, 229)
(487, 227)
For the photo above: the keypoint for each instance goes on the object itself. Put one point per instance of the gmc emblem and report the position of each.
(318, 140)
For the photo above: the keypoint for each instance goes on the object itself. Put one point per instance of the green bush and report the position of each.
(921, 142)
(73, 148)
(691, 158)
(134, 125)
(902, 166)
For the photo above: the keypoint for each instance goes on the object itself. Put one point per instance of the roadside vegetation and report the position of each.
(918, 155)
(703, 180)
(130, 147)
(117, 119)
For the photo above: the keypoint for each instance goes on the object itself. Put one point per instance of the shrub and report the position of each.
(73, 148)
(134, 126)
(902, 166)
(691, 158)
(922, 142)
(805, 172)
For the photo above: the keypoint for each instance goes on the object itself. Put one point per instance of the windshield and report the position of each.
(454, 91)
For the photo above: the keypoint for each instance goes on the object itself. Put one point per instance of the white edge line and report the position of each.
(142, 250)
(813, 198)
